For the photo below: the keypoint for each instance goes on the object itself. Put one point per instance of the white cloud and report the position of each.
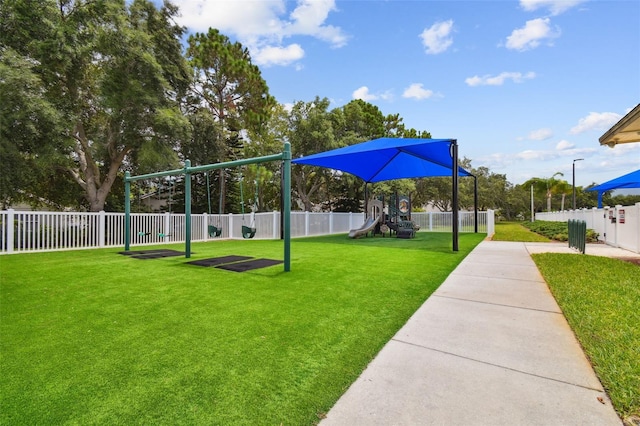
(555, 7)
(563, 149)
(564, 145)
(240, 17)
(540, 134)
(436, 39)
(308, 19)
(530, 155)
(263, 25)
(530, 36)
(416, 91)
(274, 55)
(498, 80)
(363, 93)
(596, 121)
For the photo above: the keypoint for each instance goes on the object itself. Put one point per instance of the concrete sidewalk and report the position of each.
(489, 347)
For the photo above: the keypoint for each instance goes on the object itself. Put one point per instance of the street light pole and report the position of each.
(574, 181)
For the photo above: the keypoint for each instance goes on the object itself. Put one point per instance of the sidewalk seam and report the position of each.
(494, 278)
(499, 304)
(498, 365)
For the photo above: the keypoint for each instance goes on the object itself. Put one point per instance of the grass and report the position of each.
(95, 337)
(600, 297)
(513, 231)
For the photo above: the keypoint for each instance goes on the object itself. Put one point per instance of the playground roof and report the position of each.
(630, 180)
(389, 158)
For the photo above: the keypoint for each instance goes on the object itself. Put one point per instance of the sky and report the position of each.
(526, 87)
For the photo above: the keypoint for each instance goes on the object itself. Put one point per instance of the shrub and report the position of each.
(557, 230)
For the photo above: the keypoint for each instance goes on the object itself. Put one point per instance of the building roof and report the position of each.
(627, 130)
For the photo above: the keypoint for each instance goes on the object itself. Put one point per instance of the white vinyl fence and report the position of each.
(617, 226)
(33, 231)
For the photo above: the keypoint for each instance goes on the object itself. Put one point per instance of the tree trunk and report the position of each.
(87, 175)
(303, 193)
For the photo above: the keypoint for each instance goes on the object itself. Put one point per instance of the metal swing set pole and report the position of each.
(187, 171)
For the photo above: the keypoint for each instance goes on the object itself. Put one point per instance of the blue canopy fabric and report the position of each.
(630, 180)
(389, 158)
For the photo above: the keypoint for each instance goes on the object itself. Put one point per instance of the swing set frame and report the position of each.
(188, 170)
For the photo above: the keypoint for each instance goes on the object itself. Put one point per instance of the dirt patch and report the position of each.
(634, 260)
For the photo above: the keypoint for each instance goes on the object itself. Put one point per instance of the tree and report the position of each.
(310, 131)
(267, 140)
(29, 128)
(563, 188)
(548, 187)
(230, 88)
(114, 72)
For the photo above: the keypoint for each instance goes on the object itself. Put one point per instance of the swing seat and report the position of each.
(248, 232)
(214, 231)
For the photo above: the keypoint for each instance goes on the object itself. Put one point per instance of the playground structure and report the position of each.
(396, 220)
(188, 170)
(374, 216)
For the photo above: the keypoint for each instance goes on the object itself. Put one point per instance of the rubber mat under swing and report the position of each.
(152, 254)
(249, 265)
(214, 261)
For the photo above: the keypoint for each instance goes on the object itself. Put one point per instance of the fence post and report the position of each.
(167, 226)
(205, 226)
(306, 224)
(10, 230)
(616, 213)
(330, 223)
(275, 225)
(102, 228)
(230, 225)
(491, 222)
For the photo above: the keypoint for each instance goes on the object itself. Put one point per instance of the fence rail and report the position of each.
(35, 231)
(617, 226)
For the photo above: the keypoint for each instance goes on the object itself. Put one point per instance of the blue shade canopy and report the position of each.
(630, 180)
(389, 158)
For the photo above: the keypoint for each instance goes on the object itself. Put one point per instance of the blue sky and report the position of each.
(524, 86)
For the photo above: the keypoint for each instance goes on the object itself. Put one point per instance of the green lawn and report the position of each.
(514, 231)
(93, 337)
(600, 297)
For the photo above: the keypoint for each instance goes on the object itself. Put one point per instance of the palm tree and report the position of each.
(563, 188)
(547, 187)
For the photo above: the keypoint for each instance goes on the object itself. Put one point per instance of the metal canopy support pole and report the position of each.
(454, 195)
(187, 209)
(286, 213)
(366, 201)
(127, 211)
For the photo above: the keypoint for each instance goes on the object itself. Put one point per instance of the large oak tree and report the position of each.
(115, 73)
